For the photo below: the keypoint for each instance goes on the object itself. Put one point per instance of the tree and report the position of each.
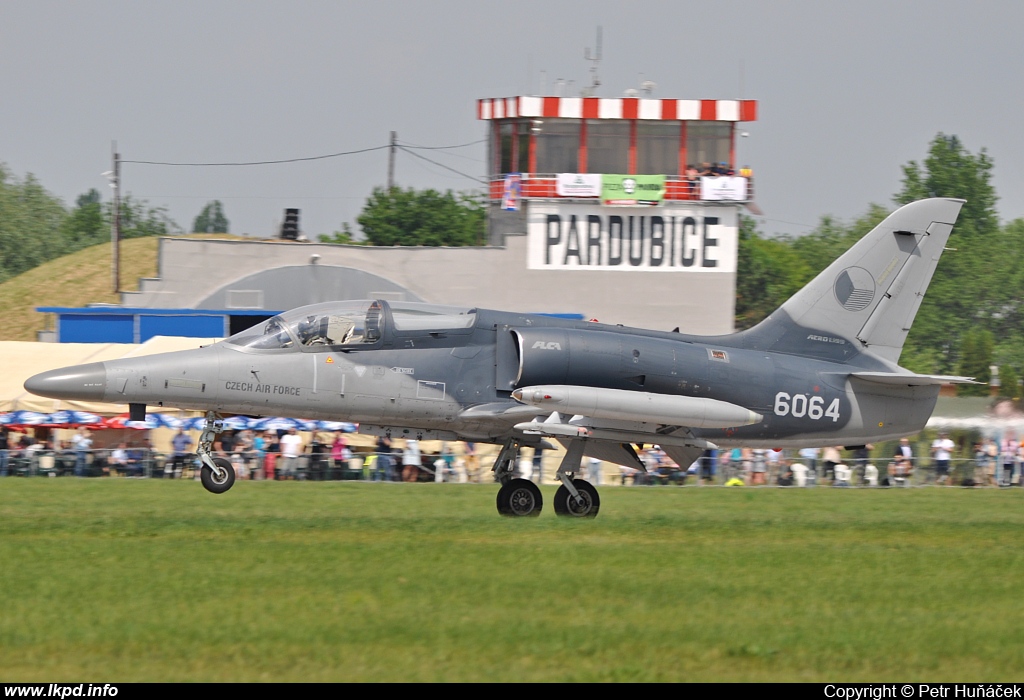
(36, 226)
(211, 219)
(1009, 384)
(86, 225)
(768, 271)
(343, 237)
(427, 218)
(30, 222)
(975, 361)
(951, 171)
(964, 292)
(138, 220)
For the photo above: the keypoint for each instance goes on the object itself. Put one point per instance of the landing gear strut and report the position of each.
(217, 474)
(584, 504)
(575, 497)
(517, 498)
(505, 464)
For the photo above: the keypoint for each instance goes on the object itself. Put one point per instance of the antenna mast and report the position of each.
(595, 60)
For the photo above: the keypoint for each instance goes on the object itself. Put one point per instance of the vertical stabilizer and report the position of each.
(871, 294)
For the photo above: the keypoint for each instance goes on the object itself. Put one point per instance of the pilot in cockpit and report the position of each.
(326, 330)
(274, 328)
(313, 331)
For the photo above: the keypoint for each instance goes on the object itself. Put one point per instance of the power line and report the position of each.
(436, 172)
(307, 158)
(442, 148)
(410, 149)
(261, 162)
(212, 197)
(442, 165)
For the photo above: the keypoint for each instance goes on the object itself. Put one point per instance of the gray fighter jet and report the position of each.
(822, 370)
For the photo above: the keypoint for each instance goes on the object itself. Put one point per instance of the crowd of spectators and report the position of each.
(709, 170)
(694, 172)
(285, 455)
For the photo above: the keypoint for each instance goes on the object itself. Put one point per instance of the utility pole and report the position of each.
(115, 220)
(391, 160)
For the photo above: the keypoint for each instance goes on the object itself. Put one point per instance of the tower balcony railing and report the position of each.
(677, 188)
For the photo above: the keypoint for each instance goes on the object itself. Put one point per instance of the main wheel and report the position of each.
(520, 498)
(565, 502)
(215, 482)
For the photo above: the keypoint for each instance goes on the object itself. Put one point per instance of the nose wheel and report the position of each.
(520, 498)
(217, 473)
(220, 479)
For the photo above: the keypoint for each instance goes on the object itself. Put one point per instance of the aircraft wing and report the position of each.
(911, 379)
(610, 441)
(616, 453)
(625, 454)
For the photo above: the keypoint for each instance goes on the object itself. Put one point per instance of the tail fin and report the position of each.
(870, 295)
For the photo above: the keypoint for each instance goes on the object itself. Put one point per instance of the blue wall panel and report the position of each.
(97, 328)
(181, 326)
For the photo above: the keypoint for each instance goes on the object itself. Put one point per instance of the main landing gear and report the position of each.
(217, 473)
(521, 497)
(517, 498)
(583, 504)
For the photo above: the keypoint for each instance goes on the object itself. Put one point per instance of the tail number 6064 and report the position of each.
(804, 405)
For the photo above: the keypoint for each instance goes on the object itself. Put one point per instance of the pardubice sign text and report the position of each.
(671, 239)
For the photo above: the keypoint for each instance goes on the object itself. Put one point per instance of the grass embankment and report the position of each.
(77, 279)
(133, 580)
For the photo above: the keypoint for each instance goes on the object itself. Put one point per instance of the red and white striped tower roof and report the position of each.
(617, 108)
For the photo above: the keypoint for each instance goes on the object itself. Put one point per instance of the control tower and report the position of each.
(619, 184)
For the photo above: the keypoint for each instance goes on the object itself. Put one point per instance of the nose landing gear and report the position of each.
(217, 474)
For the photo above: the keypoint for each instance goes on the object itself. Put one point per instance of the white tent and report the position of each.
(21, 360)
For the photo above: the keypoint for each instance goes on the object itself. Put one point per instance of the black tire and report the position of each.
(212, 483)
(520, 498)
(566, 505)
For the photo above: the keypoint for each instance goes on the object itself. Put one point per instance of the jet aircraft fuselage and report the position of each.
(821, 370)
(431, 369)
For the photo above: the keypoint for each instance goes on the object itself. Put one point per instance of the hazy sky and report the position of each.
(847, 92)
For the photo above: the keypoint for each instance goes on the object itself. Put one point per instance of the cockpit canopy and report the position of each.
(349, 324)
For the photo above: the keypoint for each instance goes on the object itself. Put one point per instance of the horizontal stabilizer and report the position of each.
(911, 379)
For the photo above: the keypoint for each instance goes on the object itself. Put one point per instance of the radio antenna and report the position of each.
(595, 64)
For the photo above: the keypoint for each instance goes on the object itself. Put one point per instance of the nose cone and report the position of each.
(82, 382)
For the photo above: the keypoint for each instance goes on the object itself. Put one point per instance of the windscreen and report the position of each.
(269, 335)
(332, 324)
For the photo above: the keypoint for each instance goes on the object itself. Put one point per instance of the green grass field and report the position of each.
(135, 580)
